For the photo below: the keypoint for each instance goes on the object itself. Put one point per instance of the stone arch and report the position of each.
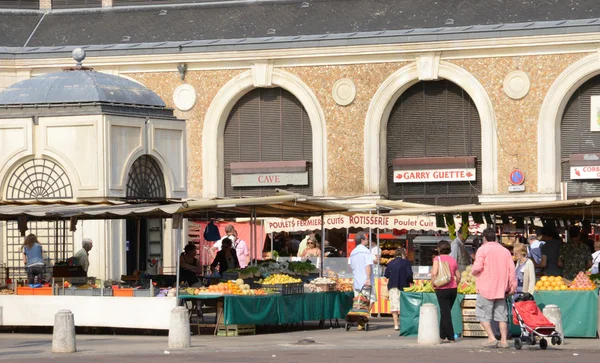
(222, 104)
(550, 118)
(384, 100)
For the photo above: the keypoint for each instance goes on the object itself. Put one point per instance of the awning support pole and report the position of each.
(177, 224)
(322, 243)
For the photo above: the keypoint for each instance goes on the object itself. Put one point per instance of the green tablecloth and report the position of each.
(410, 305)
(286, 309)
(579, 310)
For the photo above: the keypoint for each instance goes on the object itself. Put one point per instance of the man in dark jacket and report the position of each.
(400, 275)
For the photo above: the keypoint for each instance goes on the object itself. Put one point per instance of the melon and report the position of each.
(239, 282)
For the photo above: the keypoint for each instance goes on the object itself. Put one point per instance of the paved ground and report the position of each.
(330, 345)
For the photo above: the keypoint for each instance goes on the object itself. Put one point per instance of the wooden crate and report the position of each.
(470, 319)
(472, 327)
(468, 312)
(468, 303)
(235, 330)
(474, 333)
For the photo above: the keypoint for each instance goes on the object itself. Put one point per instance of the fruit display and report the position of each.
(420, 286)
(582, 282)
(595, 278)
(237, 287)
(277, 279)
(551, 283)
(322, 284)
(467, 282)
(6, 292)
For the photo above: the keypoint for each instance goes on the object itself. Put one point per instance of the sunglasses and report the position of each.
(310, 243)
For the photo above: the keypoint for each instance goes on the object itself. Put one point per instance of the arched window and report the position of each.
(145, 180)
(434, 119)
(267, 125)
(39, 179)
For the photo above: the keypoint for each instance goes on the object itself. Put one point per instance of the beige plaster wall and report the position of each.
(517, 120)
(206, 84)
(345, 124)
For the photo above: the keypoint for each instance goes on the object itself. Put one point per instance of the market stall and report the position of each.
(128, 310)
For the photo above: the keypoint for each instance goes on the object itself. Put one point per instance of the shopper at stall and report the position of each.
(361, 263)
(400, 275)
(304, 243)
(495, 271)
(226, 258)
(459, 252)
(596, 258)
(313, 249)
(524, 270)
(240, 246)
(331, 251)
(574, 256)
(82, 256)
(189, 266)
(550, 251)
(446, 294)
(33, 260)
(534, 249)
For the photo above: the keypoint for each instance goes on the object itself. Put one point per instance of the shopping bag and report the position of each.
(443, 276)
(383, 291)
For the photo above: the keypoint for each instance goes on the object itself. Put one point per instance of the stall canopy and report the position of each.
(586, 207)
(282, 206)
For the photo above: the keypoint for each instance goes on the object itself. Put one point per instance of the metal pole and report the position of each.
(139, 232)
(322, 243)
(256, 252)
(271, 245)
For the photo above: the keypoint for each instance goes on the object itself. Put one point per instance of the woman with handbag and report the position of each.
(445, 277)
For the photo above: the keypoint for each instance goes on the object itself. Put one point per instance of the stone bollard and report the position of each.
(552, 312)
(179, 329)
(429, 326)
(63, 334)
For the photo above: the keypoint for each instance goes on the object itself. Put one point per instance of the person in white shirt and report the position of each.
(82, 255)
(241, 247)
(304, 243)
(596, 258)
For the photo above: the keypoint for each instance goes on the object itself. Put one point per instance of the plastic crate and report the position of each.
(144, 293)
(24, 290)
(324, 287)
(230, 276)
(285, 289)
(98, 292)
(83, 292)
(123, 292)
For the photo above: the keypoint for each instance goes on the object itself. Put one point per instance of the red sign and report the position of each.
(434, 175)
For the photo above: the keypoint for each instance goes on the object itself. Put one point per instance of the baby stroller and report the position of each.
(533, 324)
(361, 309)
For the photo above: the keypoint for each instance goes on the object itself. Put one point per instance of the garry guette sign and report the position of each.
(440, 175)
(446, 169)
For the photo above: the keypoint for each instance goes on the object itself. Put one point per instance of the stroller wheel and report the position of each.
(518, 344)
(366, 326)
(347, 326)
(553, 340)
(531, 339)
(543, 343)
(558, 341)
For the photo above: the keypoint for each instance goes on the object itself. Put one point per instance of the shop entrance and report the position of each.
(434, 120)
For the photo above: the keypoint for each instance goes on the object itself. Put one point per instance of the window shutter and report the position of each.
(20, 4)
(73, 4)
(267, 124)
(434, 119)
(576, 138)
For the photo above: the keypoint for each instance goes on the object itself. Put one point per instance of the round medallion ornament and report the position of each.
(184, 97)
(344, 92)
(516, 85)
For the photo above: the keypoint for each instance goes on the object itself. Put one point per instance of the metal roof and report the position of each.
(79, 86)
(252, 25)
(280, 206)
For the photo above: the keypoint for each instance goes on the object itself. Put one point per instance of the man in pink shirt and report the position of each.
(495, 271)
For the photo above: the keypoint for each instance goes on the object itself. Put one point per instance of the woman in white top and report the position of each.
(596, 258)
(524, 269)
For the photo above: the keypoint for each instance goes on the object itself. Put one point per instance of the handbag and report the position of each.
(443, 276)
(384, 292)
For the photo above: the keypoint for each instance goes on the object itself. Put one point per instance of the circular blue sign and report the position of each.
(517, 177)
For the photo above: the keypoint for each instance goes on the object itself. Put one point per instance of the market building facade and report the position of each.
(347, 107)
